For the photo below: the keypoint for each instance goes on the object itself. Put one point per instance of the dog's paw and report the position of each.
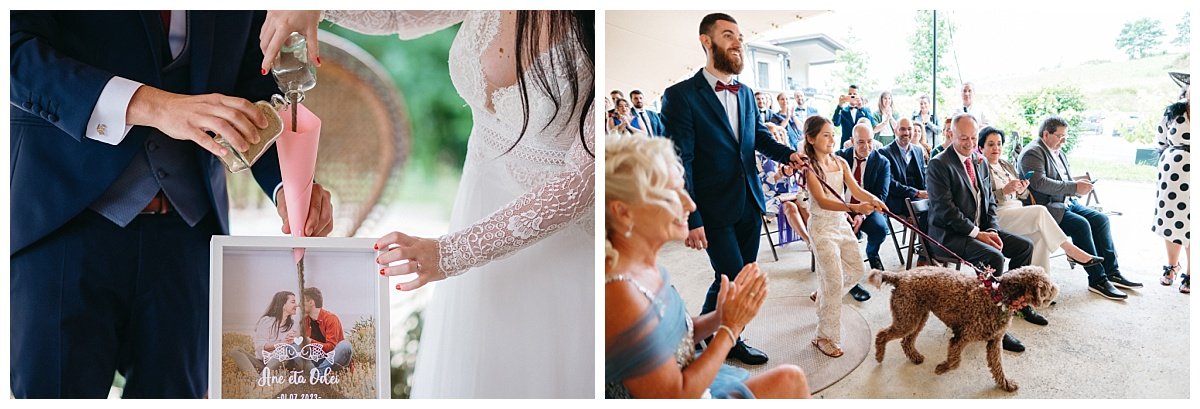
(942, 368)
(879, 355)
(917, 359)
(1009, 385)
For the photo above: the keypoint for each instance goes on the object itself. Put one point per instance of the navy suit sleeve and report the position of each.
(47, 83)
(987, 219)
(885, 178)
(944, 211)
(680, 128)
(764, 142)
(254, 86)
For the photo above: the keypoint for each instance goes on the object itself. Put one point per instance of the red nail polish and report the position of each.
(264, 71)
(376, 246)
(381, 271)
(318, 60)
(398, 287)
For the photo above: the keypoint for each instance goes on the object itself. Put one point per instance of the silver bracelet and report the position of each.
(732, 337)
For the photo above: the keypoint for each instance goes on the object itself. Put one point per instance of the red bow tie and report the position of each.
(721, 86)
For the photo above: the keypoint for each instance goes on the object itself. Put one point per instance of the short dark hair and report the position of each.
(635, 92)
(616, 91)
(314, 293)
(1051, 125)
(707, 23)
(852, 86)
(985, 133)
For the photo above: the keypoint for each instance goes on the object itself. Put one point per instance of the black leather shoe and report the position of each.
(1095, 261)
(747, 354)
(1012, 344)
(859, 293)
(1106, 290)
(1032, 316)
(1120, 281)
(875, 263)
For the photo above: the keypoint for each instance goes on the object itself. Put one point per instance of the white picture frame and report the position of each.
(247, 276)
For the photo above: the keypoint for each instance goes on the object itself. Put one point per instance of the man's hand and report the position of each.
(991, 239)
(320, 213)
(798, 160)
(921, 194)
(696, 239)
(1083, 187)
(856, 222)
(188, 117)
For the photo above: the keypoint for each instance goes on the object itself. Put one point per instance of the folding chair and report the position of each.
(915, 210)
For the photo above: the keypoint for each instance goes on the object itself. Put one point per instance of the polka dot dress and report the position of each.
(1173, 213)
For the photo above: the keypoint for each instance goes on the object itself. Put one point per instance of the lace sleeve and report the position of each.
(544, 210)
(406, 24)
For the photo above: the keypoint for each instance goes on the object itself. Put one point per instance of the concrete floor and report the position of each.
(1093, 347)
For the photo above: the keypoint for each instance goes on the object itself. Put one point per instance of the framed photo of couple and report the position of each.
(271, 339)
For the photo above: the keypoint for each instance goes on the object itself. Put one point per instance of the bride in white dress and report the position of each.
(516, 317)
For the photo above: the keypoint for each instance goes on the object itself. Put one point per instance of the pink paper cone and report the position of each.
(298, 165)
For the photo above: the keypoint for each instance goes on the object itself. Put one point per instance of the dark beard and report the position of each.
(722, 62)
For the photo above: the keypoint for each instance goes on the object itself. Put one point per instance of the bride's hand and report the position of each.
(421, 254)
(279, 25)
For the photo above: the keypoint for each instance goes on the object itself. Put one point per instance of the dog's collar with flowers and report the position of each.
(991, 286)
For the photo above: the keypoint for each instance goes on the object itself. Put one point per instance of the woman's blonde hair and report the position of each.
(637, 170)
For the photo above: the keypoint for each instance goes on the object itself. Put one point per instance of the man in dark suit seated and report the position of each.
(871, 171)
(907, 161)
(652, 120)
(1051, 184)
(963, 210)
(715, 126)
(117, 191)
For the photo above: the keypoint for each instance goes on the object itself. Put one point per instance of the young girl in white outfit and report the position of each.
(839, 259)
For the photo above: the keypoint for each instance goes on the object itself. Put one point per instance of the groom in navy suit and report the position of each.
(714, 124)
(117, 192)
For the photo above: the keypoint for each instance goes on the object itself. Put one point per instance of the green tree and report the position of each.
(918, 79)
(1184, 39)
(1140, 38)
(855, 65)
(1066, 101)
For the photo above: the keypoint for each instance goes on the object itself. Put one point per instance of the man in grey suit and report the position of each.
(1051, 185)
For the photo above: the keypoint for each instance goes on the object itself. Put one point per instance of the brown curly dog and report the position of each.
(959, 300)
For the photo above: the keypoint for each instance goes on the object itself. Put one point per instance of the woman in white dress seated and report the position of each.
(1032, 222)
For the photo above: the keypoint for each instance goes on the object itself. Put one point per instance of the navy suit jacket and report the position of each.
(843, 119)
(905, 183)
(719, 170)
(952, 205)
(877, 178)
(61, 62)
(656, 122)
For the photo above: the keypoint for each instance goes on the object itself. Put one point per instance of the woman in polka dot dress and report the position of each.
(1173, 217)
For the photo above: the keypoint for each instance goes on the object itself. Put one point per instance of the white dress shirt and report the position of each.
(728, 99)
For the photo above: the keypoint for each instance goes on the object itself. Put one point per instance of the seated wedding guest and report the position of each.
(872, 172)
(908, 170)
(649, 337)
(780, 189)
(919, 139)
(1032, 222)
(963, 212)
(790, 119)
(1052, 184)
(622, 121)
(947, 139)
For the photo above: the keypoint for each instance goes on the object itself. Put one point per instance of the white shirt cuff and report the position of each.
(107, 123)
(974, 232)
(275, 194)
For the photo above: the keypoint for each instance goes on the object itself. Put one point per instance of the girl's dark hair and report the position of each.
(566, 32)
(812, 127)
(275, 310)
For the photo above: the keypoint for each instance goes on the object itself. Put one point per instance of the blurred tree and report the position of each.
(1184, 39)
(855, 66)
(918, 79)
(1065, 101)
(1140, 38)
(441, 120)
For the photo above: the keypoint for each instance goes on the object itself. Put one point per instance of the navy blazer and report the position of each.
(843, 119)
(877, 178)
(656, 122)
(952, 205)
(905, 184)
(61, 62)
(719, 170)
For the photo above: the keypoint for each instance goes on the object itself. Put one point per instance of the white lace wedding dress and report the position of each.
(519, 321)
